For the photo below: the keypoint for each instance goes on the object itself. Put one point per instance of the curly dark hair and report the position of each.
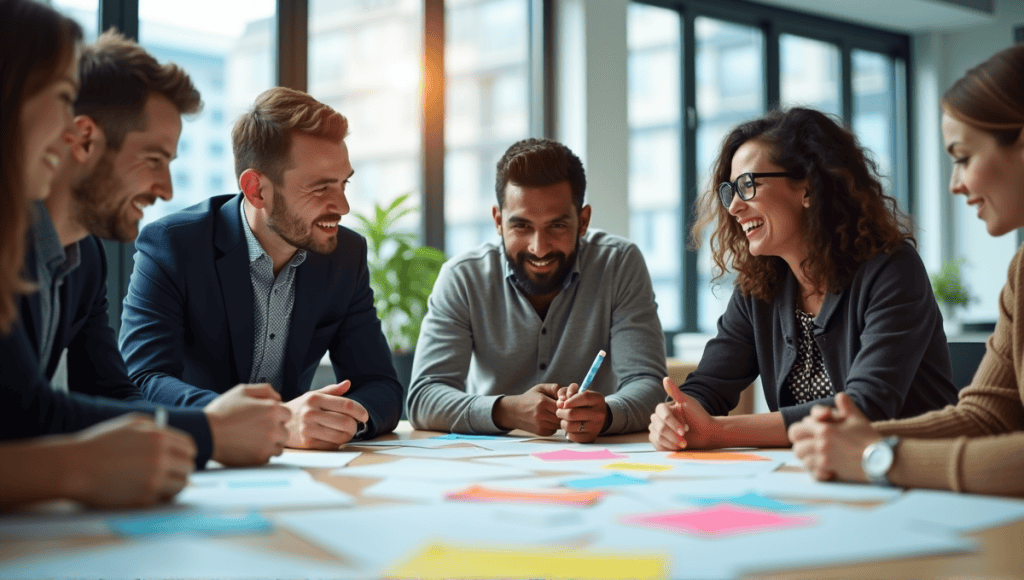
(850, 218)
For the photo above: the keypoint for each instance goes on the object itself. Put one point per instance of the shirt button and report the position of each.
(271, 337)
(543, 366)
(543, 331)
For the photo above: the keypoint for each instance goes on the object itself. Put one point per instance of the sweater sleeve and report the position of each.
(978, 445)
(994, 401)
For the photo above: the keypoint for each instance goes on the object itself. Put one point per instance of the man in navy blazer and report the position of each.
(128, 120)
(256, 287)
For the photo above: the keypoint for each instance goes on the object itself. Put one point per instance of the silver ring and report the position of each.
(581, 426)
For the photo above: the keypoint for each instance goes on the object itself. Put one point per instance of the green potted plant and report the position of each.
(402, 274)
(952, 293)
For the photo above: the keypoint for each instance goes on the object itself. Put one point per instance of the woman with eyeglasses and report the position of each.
(123, 462)
(978, 445)
(830, 294)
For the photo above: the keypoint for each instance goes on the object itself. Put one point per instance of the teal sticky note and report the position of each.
(603, 481)
(189, 523)
(749, 499)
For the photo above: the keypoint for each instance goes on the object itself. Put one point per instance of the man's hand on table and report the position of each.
(248, 425)
(532, 411)
(324, 419)
(583, 416)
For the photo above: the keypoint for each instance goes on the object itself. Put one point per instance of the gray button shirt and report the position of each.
(273, 300)
(53, 264)
(481, 339)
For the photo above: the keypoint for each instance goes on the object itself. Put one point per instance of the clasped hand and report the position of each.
(324, 419)
(547, 407)
(831, 442)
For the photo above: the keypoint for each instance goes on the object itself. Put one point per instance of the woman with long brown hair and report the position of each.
(978, 445)
(830, 294)
(126, 461)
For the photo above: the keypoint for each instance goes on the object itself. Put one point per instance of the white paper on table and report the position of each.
(527, 446)
(387, 534)
(265, 473)
(30, 526)
(802, 485)
(432, 470)
(315, 458)
(786, 456)
(841, 536)
(528, 462)
(409, 490)
(170, 558)
(953, 511)
(442, 452)
(262, 494)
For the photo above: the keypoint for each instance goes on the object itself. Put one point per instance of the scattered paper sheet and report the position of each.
(171, 557)
(315, 458)
(442, 561)
(189, 522)
(716, 456)
(433, 470)
(556, 497)
(261, 493)
(442, 452)
(717, 521)
(613, 480)
(953, 511)
(802, 485)
(577, 455)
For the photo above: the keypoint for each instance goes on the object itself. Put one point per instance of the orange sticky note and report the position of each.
(481, 493)
(623, 466)
(716, 456)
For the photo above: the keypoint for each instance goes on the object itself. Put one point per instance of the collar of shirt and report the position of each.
(256, 250)
(574, 273)
(59, 261)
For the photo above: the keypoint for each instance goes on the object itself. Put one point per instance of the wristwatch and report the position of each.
(878, 458)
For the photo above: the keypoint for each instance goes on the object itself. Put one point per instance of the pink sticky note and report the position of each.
(721, 520)
(572, 455)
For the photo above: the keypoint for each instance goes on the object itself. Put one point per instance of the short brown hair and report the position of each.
(990, 96)
(261, 139)
(118, 76)
(850, 218)
(36, 46)
(539, 163)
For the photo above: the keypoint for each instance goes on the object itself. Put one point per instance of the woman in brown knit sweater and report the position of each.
(978, 445)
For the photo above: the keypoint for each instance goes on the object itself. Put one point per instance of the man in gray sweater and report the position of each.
(512, 327)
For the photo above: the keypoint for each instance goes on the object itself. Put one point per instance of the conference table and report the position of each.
(842, 531)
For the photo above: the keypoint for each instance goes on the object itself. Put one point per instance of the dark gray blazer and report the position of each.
(881, 340)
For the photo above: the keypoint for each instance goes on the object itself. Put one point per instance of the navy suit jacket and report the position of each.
(187, 326)
(97, 379)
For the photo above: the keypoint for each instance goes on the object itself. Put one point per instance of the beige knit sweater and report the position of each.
(978, 445)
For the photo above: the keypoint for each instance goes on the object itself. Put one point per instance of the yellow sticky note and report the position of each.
(622, 466)
(437, 561)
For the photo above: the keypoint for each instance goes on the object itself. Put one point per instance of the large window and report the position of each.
(744, 59)
(365, 60)
(229, 54)
(487, 90)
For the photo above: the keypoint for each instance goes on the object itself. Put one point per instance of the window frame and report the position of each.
(773, 22)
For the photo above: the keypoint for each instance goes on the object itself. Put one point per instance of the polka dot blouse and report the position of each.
(807, 380)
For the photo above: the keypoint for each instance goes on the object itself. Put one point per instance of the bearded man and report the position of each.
(255, 287)
(511, 328)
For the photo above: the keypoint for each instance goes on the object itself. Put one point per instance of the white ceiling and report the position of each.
(897, 15)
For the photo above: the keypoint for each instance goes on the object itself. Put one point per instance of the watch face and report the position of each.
(879, 460)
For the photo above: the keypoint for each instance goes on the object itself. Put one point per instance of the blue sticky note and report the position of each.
(603, 481)
(461, 437)
(189, 523)
(749, 499)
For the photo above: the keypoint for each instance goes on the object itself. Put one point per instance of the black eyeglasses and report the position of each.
(744, 186)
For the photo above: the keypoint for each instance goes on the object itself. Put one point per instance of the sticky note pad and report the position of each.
(573, 455)
(440, 561)
(750, 499)
(718, 521)
(603, 481)
(189, 523)
(716, 456)
(623, 466)
(481, 493)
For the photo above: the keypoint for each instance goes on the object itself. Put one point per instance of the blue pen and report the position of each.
(593, 371)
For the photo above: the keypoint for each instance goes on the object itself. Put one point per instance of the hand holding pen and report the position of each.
(583, 413)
